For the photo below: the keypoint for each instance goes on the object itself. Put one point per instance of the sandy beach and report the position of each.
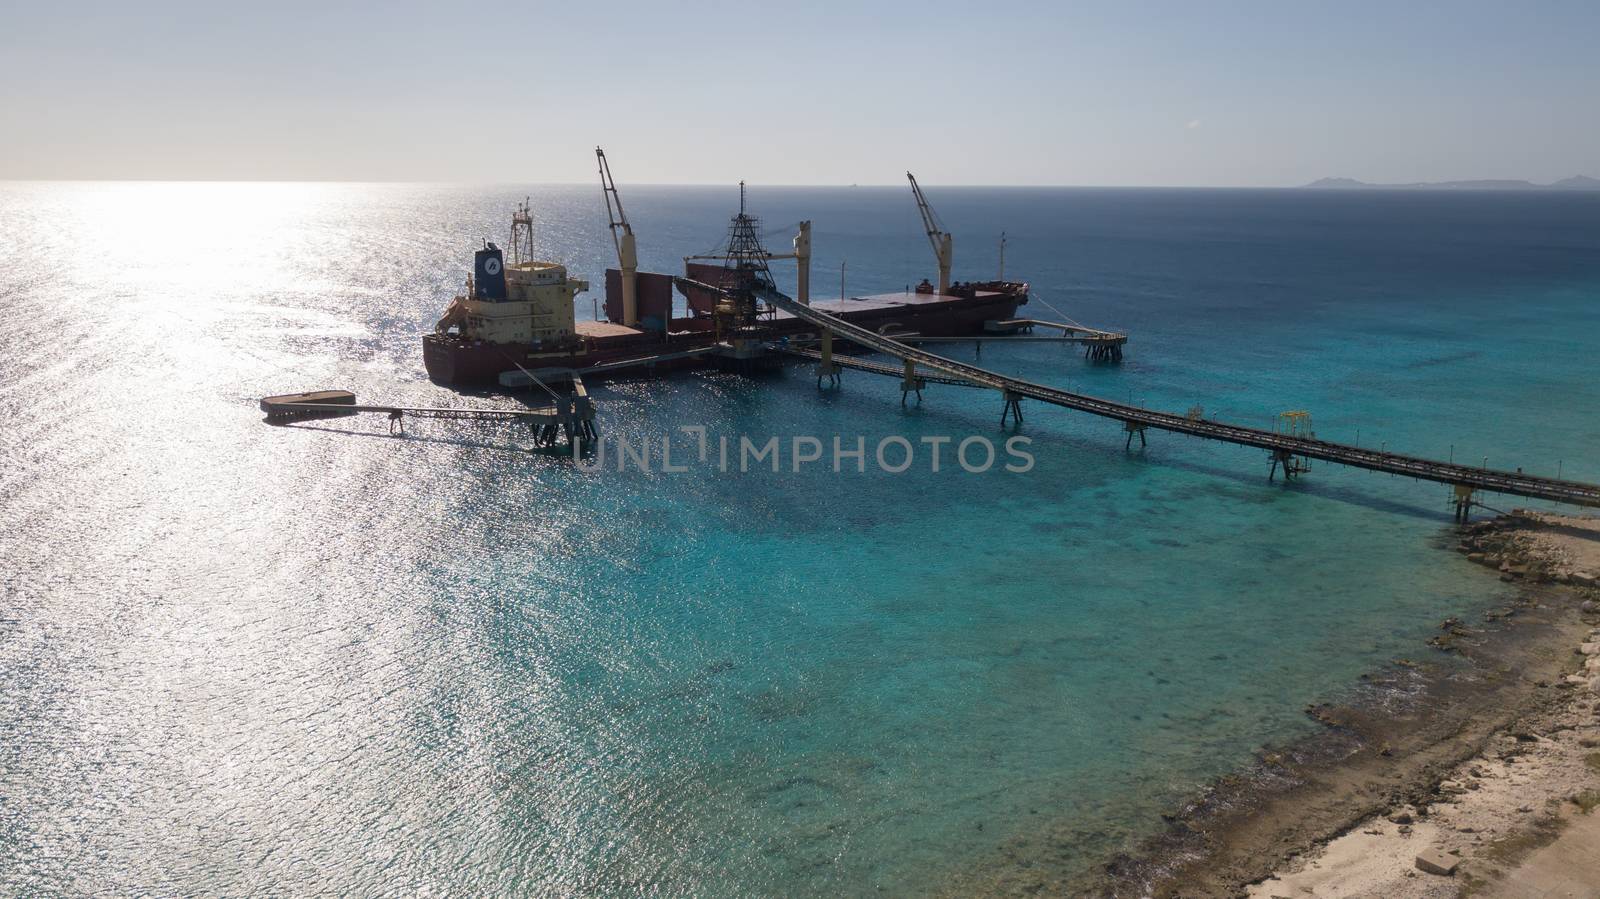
(1471, 769)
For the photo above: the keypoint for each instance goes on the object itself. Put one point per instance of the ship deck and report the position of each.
(611, 335)
(604, 330)
(889, 301)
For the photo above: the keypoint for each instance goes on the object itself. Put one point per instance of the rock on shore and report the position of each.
(1538, 547)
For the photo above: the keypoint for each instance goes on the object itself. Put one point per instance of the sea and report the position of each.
(318, 659)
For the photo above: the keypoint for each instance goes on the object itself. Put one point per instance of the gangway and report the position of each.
(1464, 478)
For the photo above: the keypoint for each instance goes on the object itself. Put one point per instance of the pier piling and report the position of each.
(1133, 427)
(826, 367)
(1012, 408)
(911, 384)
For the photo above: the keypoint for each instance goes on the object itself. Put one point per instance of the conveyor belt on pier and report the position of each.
(877, 368)
(1486, 479)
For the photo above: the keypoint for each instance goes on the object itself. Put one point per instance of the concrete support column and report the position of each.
(946, 251)
(630, 281)
(802, 256)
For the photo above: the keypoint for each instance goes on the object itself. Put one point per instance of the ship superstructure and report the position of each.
(524, 303)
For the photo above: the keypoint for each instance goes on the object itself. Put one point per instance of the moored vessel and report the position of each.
(517, 317)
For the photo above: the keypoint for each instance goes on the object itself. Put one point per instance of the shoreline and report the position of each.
(1474, 751)
(1268, 831)
(1517, 818)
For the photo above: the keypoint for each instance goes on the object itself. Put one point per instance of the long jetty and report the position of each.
(569, 415)
(1465, 479)
(1098, 344)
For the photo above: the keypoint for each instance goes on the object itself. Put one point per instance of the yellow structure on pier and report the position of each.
(1294, 424)
(1297, 424)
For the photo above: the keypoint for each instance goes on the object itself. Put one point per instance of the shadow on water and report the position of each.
(1354, 496)
(555, 452)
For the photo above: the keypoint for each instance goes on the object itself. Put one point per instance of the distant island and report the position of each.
(1576, 182)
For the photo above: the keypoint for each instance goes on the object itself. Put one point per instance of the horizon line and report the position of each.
(1310, 185)
(470, 183)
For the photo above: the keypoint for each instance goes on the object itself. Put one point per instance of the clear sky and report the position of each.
(805, 92)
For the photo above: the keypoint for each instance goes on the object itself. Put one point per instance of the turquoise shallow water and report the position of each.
(315, 659)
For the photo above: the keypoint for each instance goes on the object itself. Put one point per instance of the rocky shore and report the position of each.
(1517, 819)
(1470, 770)
(1537, 547)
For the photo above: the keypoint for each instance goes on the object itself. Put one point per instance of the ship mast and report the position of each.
(522, 234)
(938, 238)
(622, 239)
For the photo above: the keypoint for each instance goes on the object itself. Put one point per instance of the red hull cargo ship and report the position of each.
(518, 316)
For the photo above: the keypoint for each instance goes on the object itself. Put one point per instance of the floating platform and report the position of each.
(311, 404)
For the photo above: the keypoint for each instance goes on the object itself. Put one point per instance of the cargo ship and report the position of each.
(517, 316)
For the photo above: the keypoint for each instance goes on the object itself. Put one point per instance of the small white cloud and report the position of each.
(1193, 124)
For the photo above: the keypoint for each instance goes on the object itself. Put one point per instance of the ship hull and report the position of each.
(453, 361)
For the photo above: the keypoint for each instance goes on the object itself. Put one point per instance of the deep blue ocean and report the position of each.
(238, 658)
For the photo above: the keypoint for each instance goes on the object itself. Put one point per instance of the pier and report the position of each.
(569, 415)
(1284, 448)
(1098, 345)
(1289, 451)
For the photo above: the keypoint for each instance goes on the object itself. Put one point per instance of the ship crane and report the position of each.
(938, 238)
(622, 238)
